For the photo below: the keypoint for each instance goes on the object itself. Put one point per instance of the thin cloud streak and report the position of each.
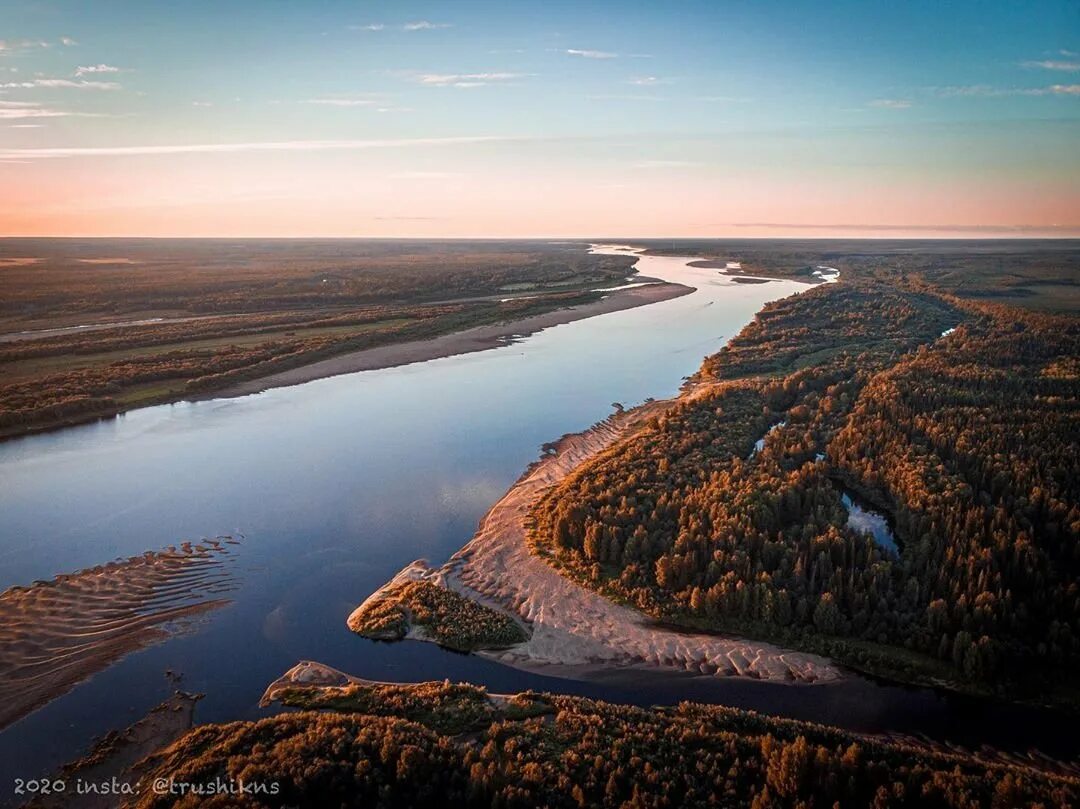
(272, 146)
(589, 54)
(85, 70)
(73, 84)
(891, 103)
(1053, 64)
(463, 79)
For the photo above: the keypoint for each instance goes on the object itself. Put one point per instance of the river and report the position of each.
(336, 484)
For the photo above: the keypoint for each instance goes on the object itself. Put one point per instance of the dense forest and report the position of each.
(439, 745)
(968, 440)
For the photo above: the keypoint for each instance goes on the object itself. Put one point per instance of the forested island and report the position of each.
(957, 419)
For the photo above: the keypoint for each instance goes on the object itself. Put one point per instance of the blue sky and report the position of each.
(951, 109)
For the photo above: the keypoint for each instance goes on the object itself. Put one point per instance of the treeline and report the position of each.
(554, 751)
(968, 442)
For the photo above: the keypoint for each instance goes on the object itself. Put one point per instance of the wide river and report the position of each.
(336, 484)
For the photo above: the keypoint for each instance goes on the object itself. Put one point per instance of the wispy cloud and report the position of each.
(987, 91)
(261, 146)
(74, 84)
(340, 102)
(67, 42)
(10, 45)
(589, 54)
(913, 228)
(18, 110)
(415, 25)
(424, 25)
(891, 103)
(463, 79)
(1053, 64)
(87, 70)
(427, 175)
(647, 81)
(665, 164)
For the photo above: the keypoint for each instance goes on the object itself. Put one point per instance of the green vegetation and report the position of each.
(969, 443)
(440, 745)
(446, 617)
(230, 311)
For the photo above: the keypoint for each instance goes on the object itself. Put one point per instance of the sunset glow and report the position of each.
(519, 119)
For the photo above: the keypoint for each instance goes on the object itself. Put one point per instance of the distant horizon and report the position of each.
(1073, 235)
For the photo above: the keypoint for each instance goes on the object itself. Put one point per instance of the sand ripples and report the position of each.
(53, 634)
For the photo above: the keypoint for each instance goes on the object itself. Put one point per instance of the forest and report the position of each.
(958, 420)
(438, 745)
(91, 328)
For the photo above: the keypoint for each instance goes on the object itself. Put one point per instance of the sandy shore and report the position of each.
(468, 341)
(578, 628)
(57, 633)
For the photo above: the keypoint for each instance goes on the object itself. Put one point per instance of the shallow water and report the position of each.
(336, 484)
(865, 520)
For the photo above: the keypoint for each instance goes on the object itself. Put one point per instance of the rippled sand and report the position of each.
(56, 633)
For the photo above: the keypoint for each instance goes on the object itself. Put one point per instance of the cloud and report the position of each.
(18, 110)
(202, 103)
(891, 103)
(261, 146)
(85, 70)
(424, 25)
(427, 175)
(664, 164)
(1053, 64)
(75, 84)
(913, 228)
(67, 41)
(986, 91)
(646, 81)
(415, 25)
(463, 79)
(10, 45)
(624, 97)
(340, 102)
(587, 54)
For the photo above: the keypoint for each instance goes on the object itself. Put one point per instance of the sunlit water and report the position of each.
(338, 483)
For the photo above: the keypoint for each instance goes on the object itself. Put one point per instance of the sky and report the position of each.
(540, 119)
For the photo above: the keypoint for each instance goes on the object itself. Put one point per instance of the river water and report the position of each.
(336, 484)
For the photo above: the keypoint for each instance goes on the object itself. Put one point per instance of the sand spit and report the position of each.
(468, 341)
(575, 627)
(54, 634)
(121, 756)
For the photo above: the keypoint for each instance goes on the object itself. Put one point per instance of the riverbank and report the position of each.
(467, 341)
(574, 629)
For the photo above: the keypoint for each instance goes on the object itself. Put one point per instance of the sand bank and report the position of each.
(468, 341)
(57, 633)
(578, 628)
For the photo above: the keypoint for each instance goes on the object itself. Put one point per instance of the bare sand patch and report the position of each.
(57, 633)
(571, 626)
